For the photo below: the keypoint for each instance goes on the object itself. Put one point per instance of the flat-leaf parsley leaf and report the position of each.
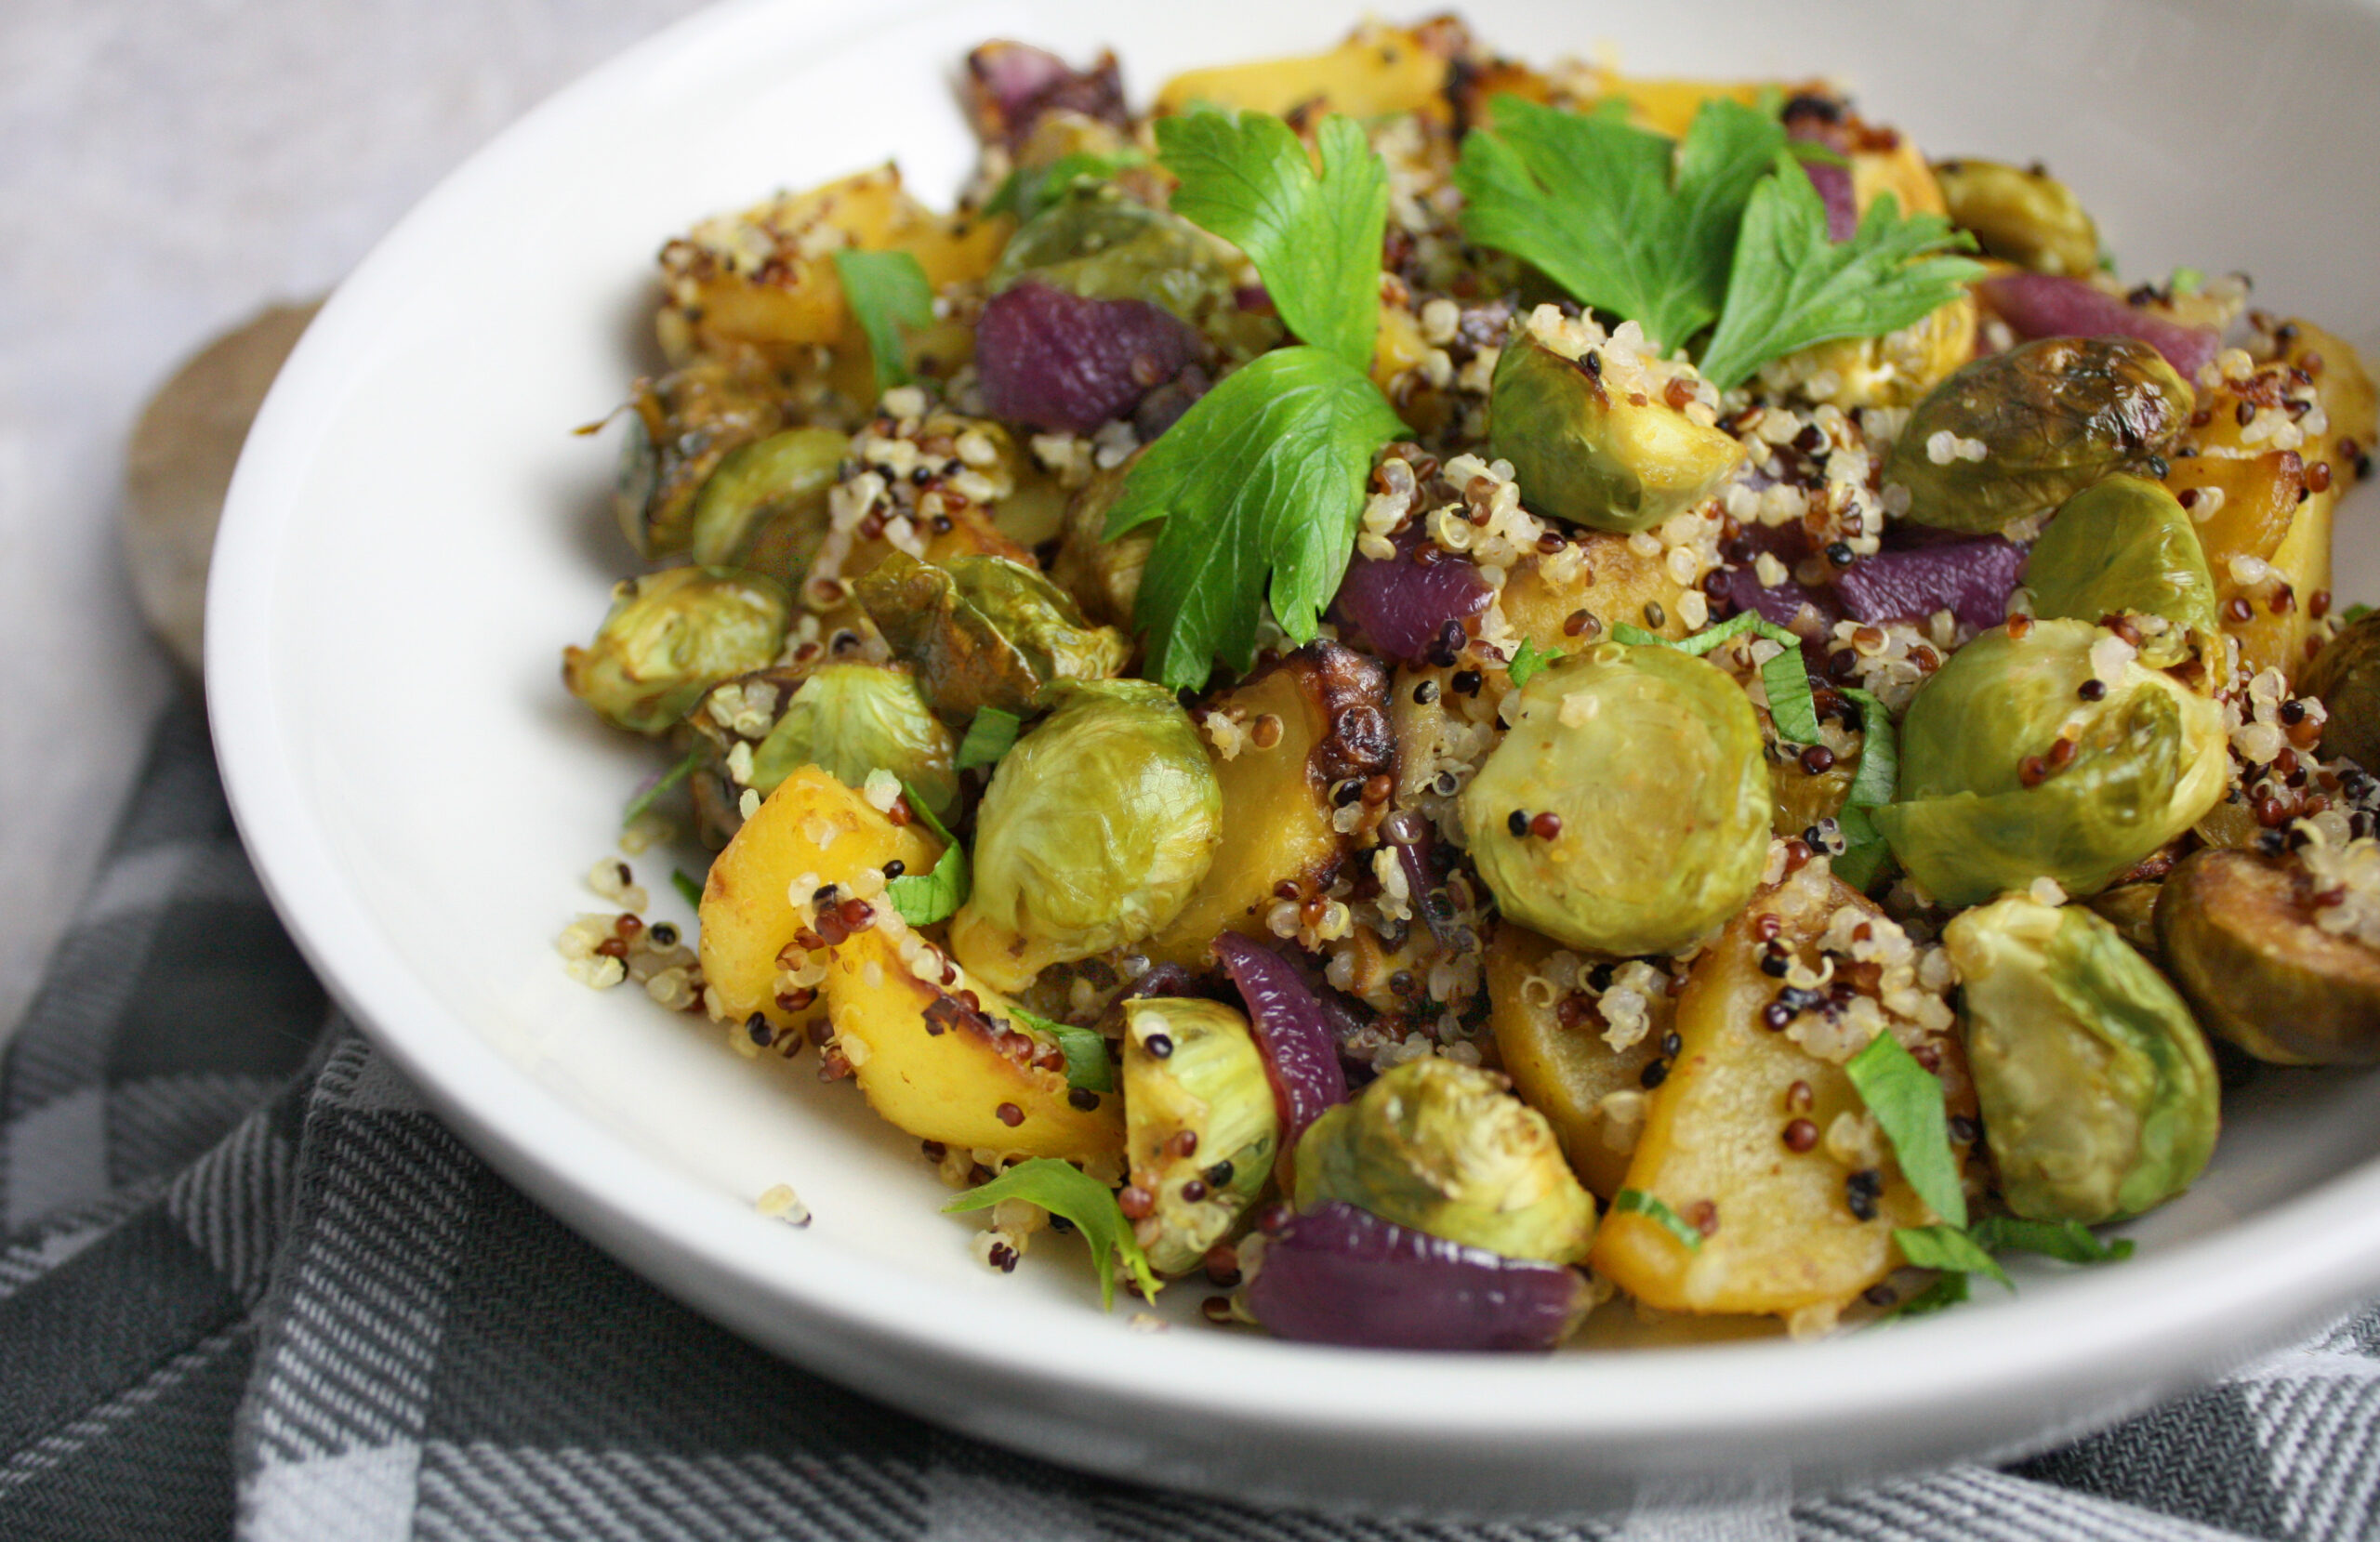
(1064, 1190)
(1264, 476)
(886, 292)
(1316, 241)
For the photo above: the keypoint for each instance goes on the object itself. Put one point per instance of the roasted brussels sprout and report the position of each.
(1102, 576)
(983, 632)
(2026, 217)
(1627, 810)
(1100, 243)
(2009, 772)
(2122, 546)
(850, 719)
(2346, 675)
(1199, 1122)
(764, 508)
(1097, 826)
(1446, 1149)
(2099, 1095)
(2131, 908)
(670, 636)
(1594, 455)
(680, 427)
(2016, 434)
(2240, 935)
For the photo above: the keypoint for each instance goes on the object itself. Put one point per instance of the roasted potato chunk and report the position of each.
(1377, 71)
(1734, 1143)
(966, 1076)
(1325, 706)
(1564, 1070)
(811, 827)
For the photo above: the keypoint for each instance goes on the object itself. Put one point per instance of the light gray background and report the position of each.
(168, 171)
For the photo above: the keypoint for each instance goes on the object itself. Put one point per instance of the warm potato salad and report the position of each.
(1431, 692)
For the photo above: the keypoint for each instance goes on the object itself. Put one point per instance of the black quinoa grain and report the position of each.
(1467, 682)
(1860, 1192)
(894, 868)
(664, 935)
(1425, 692)
(1518, 821)
(2092, 690)
(1654, 1074)
(1158, 1046)
(757, 1026)
(1083, 1097)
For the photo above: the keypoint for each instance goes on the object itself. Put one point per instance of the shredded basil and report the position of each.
(1527, 662)
(1089, 1066)
(670, 779)
(991, 735)
(2068, 1241)
(925, 897)
(689, 888)
(1907, 1100)
(1947, 1247)
(1791, 706)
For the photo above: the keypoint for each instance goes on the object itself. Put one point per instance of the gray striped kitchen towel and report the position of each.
(248, 1286)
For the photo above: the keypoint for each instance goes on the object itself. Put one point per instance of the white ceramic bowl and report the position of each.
(415, 533)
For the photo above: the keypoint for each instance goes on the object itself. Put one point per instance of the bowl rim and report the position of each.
(2144, 1326)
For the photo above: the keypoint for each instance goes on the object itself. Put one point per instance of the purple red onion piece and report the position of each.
(1011, 87)
(1067, 365)
(1402, 606)
(2046, 305)
(1293, 1032)
(1342, 1275)
(1972, 579)
(1834, 184)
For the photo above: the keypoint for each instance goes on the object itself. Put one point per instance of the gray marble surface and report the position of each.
(169, 170)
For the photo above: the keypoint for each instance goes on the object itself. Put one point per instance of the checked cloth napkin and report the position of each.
(249, 1285)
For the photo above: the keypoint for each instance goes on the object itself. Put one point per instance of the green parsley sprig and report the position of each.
(1260, 484)
(924, 898)
(1722, 230)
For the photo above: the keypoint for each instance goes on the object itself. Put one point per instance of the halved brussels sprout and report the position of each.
(680, 427)
(1102, 576)
(1627, 810)
(670, 636)
(1102, 243)
(764, 508)
(1199, 1122)
(849, 719)
(2123, 544)
(1097, 826)
(985, 631)
(2026, 217)
(2016, 434)
(1990, 800)
(1446, 1149)
(2131, 908)
(2239, 936)
(2346, 675)
(2099, 1095)
(1595, 455)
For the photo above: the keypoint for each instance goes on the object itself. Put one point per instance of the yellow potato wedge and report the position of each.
(1377, 71)
(943, 1071)
(1563, 1072)
(811, 823)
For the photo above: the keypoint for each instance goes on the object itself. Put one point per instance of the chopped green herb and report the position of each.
(1527, 661)
(670, 779)
(2186, 281)
(1791, 285)
(991, 735)
(1029, 189)
(1791, 706)
(1948, 1290)
(886, 291)
(1907, 1100)
(1627, 220)
(2354, 613)
(1089, 1065)
(2068, 1241)
(689, 888)
(925, 897)
(1265, 475)
(1316, 241)
(1950, 1248)
(1636, 1202)
(1865, 850)
(1064, 1190)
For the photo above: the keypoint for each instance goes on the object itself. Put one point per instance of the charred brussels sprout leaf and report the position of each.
(2239, 932)
(1989, 803)
(1097, 826)
(2016, 434)
(1200, 1125)
(2099, 1096)
(850, 719)
(1444, 1149)
(1101, 244)
(2347, 676)
(1597, 455)
(983, 632)
(669, 638)
(2125, 546)
(764, 508)
(1649, 762)
(2026, 217)
(680, 427)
